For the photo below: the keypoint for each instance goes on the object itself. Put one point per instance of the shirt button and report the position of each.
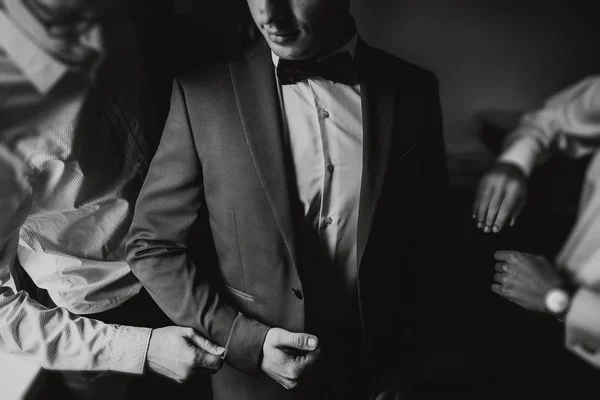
(328, 221)
(297, 293)
(330, 168)
(324, 113)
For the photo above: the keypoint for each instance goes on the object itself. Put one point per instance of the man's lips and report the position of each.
(282, 36)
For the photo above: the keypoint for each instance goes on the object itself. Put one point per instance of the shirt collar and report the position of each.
(349, 46)
(34, 51)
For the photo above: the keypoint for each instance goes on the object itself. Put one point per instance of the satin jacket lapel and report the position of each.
(257, 97)
(378, 111)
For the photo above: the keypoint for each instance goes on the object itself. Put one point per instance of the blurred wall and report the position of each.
(490, 54)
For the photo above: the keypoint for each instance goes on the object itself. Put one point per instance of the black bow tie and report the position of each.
(339, 68)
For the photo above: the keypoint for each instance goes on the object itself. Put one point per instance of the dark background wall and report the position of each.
(491, 54)
(505, 56)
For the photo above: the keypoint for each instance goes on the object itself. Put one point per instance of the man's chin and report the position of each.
(290, 53)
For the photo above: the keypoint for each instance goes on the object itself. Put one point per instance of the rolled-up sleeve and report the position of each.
(569, 122)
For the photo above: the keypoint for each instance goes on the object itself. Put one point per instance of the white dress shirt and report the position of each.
(66, 236)
(323, 120)
(570, 121)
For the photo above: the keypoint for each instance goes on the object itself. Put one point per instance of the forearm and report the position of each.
(188, 291)
(529, 144)
(582, 326)
(59, 340)
(581, 256)
(524, 151)
(170, 207)
(568, 122)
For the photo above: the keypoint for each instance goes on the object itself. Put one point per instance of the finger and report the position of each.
(283, 381)
(300, 341)
(499, 277)
(207, 360)
(477, 199)
(310, 359)
(506, 269)
(497, 288)
(506, 209)
(482, 206)
(503, 255)
(493, 207)
(206, 344)
(517, 212)
(287, 383)
(298, 367)
(500, 267)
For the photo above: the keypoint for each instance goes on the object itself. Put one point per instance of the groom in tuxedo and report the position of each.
(290, 212)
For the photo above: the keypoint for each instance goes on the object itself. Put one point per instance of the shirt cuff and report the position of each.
(243, 350)
(522, 153)
(129, 349)
(582, 323)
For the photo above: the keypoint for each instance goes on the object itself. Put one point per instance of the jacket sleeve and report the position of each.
(170, 206)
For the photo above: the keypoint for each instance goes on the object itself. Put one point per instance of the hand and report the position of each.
(287, 355)
(177, 352)
(501, 195)
(524, 279)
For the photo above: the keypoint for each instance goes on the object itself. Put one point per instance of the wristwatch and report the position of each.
(558, 300)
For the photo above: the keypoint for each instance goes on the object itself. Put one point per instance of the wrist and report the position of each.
(515, 169)
(261, 356)
(522, 151)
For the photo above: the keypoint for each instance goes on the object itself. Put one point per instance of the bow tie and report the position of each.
(339, 68)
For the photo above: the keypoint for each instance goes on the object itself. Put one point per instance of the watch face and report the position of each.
(557, 301)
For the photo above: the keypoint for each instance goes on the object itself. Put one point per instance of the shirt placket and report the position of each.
(327, 220)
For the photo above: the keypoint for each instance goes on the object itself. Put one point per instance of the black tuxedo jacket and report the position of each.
(213, 234)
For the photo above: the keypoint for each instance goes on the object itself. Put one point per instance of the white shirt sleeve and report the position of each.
(59, 340)
(569, 122)
(54, 338)
(582, 335)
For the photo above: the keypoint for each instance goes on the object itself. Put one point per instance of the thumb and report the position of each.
(206, 344)
(300, 341)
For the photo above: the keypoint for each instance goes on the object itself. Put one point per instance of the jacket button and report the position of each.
(297, 293)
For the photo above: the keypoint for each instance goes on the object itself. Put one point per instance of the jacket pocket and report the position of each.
(238, 293)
